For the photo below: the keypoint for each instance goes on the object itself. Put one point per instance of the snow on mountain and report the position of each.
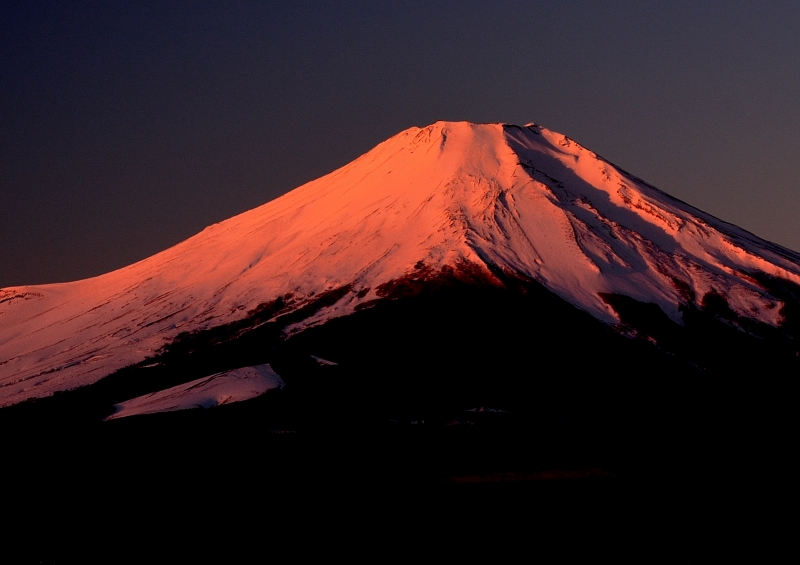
(523, 200)
(218, 389)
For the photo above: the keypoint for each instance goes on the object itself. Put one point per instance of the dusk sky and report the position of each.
(127, 127)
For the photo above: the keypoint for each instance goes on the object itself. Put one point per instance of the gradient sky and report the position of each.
(126, 127)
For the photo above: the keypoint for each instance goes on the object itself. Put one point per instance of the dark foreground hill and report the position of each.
(440, 421)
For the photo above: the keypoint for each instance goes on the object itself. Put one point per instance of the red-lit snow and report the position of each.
(525, 200)
(221, 388)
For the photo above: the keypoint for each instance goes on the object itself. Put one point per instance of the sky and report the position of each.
(127, 127)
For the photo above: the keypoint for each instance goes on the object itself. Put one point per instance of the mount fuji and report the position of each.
(465, 304)
(516, 243)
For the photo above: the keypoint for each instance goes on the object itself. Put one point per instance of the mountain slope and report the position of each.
(491, 201)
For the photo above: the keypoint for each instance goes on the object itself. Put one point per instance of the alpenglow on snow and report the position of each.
(524, 201)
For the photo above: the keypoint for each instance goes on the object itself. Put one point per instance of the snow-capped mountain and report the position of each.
(486, 201)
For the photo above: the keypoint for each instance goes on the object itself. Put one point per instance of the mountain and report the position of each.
(486, 328)
(491, 203)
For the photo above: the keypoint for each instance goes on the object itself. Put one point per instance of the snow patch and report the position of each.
(215, 390)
